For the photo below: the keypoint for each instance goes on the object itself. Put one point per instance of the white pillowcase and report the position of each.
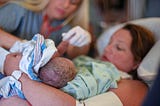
(150, 64)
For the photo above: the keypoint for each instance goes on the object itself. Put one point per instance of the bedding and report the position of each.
(105, 99)
(149, 67)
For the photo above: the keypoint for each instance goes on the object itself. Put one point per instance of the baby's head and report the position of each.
(57, 72)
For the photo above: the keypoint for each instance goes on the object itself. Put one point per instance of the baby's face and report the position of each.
(12, 62)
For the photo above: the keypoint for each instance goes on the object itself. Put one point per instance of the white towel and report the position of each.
(9, 86)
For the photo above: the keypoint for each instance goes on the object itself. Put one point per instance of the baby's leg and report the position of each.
(13, 101)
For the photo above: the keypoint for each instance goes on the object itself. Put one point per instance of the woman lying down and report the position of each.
(125, 51)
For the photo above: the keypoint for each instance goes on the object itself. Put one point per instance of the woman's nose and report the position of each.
(108, 49)
(66, 3)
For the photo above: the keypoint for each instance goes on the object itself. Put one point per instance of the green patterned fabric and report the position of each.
(93, 77)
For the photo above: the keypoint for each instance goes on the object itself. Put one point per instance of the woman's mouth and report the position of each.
(61, 11)
(104, 58)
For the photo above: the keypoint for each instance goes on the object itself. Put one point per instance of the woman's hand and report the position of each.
(77, 37)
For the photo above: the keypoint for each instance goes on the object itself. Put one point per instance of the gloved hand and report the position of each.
(77, 36)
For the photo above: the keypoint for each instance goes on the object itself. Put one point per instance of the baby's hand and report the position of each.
(12, 63)
(62, 48)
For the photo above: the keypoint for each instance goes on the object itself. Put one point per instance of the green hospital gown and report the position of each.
(93, 77)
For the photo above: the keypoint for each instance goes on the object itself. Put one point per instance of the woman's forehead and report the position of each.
(122, 34)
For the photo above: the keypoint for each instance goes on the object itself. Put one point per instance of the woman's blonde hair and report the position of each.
(34, 5)
(80, 17)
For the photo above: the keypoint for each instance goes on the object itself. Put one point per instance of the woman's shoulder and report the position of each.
(14, 7)
(129, 83)
(131, 92)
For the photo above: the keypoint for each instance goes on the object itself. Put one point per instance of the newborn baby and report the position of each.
(37, 58)
(57, 72)
(50, 68)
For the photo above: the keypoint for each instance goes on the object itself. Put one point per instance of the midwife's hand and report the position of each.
(77, 37)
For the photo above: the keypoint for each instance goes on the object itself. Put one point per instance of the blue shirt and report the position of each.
(25, 23)
(1, 75)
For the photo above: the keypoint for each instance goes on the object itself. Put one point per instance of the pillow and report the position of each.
(147, 70)
(149, 66)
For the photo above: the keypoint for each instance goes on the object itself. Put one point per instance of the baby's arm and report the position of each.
(62, 48)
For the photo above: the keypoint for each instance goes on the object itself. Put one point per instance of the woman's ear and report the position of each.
(136, 65)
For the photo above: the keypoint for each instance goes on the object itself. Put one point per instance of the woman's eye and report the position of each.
(119, 48)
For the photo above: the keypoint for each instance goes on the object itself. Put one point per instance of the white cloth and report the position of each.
(125, 75)
(36, 53)
(3, 54)
(106, 99)
(9, 86)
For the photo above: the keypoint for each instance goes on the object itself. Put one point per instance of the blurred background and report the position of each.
(106, 13)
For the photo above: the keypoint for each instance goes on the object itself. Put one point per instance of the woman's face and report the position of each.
(118, 51)
(12, 62)
(60, 9)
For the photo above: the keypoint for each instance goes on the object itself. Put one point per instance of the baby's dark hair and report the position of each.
(57, 72)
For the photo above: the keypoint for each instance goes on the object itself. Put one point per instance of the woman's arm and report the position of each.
(131, 92)
(39, 94)
(13, 101)
(7, 40)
